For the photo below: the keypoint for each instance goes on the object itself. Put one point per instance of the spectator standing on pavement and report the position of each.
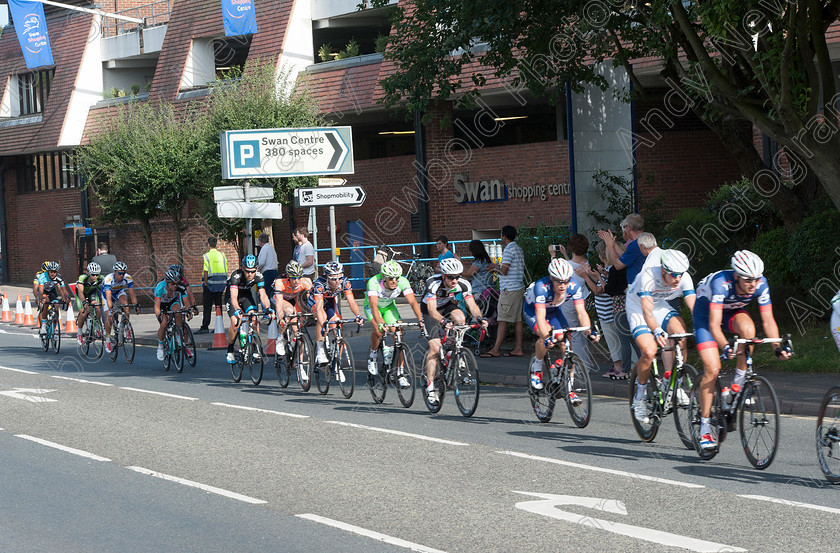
(442, 245)
(104, 259)
(631, 257)
(481, 270)
(267, 262)
(214, 280)
(512, 287)
(578, 245)
(304, 252)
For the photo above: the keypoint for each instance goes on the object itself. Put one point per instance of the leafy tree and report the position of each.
(762, 61)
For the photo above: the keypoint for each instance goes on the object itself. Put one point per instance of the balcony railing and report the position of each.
(153, 15)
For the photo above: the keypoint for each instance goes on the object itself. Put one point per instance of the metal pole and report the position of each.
(249, 223)
(332, 233)
(314, 224)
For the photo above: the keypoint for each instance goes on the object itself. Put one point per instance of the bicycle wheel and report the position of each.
(758, 418)
(45, 336)
(466, 382)
(321, 374)
(283, 362)
(682, 414)
(189, 345)
(167, 349)
(257, 358)
(828, 435)
(302, 361)
(178, 349)
(440, 386)
(127, 340)
(378, 383)
(346, 369)
(115, 339)
(648, 429)
(542, 400)
(237, 368)
(98, 338)
(87, 336)
(405, 367)
(577, 381)
(55, 334)
(716, 414)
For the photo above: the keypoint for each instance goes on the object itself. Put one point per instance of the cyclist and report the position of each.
(88, 292)
(185, 284)
(440, 310)
(721, 298)
(381, 308)
(543, 315)
(50, 285)
(117, 286)
(239, 298)
(651, 318)
(322, 303)
(288, 299)
(169, 294)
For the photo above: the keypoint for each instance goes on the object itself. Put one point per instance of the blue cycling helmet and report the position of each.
(333, 268)
(249, 262)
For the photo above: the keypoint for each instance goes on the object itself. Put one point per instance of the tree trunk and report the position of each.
(146, 226)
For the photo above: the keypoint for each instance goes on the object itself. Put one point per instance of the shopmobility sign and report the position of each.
(31, 29)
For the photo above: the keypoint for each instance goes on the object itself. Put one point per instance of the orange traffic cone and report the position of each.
(19, 311)
(71, 320)
(219, 337)
(28, 320)
(272, 338)
(7, 314)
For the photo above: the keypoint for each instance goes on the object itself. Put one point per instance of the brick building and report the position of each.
(508, 162)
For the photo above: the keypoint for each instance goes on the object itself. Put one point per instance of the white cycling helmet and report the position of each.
(451, 266)
(93, 268)
(674, 261)
(560, 269)
(747, 265)
(391, 269)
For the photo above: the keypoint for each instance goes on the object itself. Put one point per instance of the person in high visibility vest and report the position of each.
(214, 278)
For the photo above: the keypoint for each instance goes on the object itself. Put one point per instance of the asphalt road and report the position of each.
(113, 457)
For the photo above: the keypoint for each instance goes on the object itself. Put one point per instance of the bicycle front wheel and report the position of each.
(256, 358)
(682, 414)
(87, 333)
(718, 422)
(302, 361)
(98, 339)
(282, 362)
(115, 341)
(648, 428)
(405, 369)
(189, 346)
(542, 400)
(578, 391)
(378, 382)
(345, 368)
(55, 336)
(758, 418)
(178, 349)
(236, 368)
(128, 342)
(466, 383)
(828, 435)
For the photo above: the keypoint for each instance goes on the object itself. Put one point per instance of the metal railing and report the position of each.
(152, 14)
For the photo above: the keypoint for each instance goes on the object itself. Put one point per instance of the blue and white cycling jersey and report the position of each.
(719, 289)
(541, 293)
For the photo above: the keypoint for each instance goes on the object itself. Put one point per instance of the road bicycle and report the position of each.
(567, 379)
(753, 407)
(298, 354)
(457, 370)
(394, 363)
(340, 360)
(667, 393)
(93, 334)
(175, 350)
(52, 333)
(122, 334)
(249, 350)
(828, 435)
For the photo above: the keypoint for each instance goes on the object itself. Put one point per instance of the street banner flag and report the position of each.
(239, 16)
(31, 28)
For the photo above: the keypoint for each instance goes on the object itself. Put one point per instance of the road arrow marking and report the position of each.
(21, 393)
(547, 506)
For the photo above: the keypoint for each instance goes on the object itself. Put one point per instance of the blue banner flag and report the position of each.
(239, 16)
(31, 28)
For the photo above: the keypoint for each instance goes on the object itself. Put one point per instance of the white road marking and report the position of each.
(18, 333)
(599, 469)
(260, 410)
(72, 450)
(205, 487)
(17, 370)
(369, 533)
(81, 380)
(397, 432)
(792, 503)
(23, 393)
(158, 393)
(547, 506)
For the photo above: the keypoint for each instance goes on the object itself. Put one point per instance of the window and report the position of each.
(47, 171)
(33, 90)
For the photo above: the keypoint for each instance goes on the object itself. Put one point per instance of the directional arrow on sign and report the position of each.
(349, 196)
(22, 393)
(548, 503)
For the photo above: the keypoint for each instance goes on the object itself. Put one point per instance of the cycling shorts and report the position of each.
(702, 332)
(389, 314)
(553, 317)
(663, 312)
(246, 304)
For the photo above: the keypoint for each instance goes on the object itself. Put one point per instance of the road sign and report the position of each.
(332, 181)
(287, 152)
(249, 210)
(237, 193)
(351, 196)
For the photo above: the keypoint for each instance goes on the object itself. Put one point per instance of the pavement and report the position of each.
(798, 393)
